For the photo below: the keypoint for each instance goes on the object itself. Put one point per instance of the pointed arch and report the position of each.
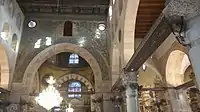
(176, 65)
(56, 49)
(129, 28)
(4, 68)
(73, 76)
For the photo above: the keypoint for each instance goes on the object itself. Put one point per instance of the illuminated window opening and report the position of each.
(110, 12)
(74, 87)
(38, 43)
(48, 41)
(73, 59)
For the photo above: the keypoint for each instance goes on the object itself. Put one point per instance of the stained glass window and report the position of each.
(73, 59)
(74, 87)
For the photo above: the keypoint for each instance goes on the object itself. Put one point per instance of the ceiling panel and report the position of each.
(148, 12)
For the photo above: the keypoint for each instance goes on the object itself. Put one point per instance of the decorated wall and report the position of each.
(84, 34)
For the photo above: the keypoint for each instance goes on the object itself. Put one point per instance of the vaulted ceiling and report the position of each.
(148, 12)
(83, 7)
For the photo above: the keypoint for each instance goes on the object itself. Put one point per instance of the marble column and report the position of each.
(131, 85)
(92, 103)
(107, 103)
(189, 10)
(193, 37)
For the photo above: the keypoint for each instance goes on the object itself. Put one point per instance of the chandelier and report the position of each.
(49, 97)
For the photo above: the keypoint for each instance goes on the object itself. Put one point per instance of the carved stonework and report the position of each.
(82, 30)
(129, 79)
(13, 108)
(185, 8)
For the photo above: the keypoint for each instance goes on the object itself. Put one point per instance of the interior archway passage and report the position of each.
(4, 68)
(176, 65)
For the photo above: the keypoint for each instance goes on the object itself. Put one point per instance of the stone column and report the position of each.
(92, 103)
(193, 36)
(189, 33)
(96, 103)
(131, 85)
(107, 103)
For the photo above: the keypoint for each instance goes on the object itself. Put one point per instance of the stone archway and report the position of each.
(4, 68)
(56, 49)
(176, 65)
(78, 77)
(129, 28)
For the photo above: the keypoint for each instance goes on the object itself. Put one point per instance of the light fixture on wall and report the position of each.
(101, 27)
(32, 24)
(50, 97)
(144, 67)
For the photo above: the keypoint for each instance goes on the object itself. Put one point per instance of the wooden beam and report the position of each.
(159, 31)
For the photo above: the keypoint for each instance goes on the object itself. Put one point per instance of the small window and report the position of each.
(119, 36)
(74, 87)
(73, 59)
(5, 31)
(18, 21)
(14, 42)
(68, 26)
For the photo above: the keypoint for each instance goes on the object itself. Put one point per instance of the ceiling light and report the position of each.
(144, 67)
(102, 27)
(131, 69)
(32, 24)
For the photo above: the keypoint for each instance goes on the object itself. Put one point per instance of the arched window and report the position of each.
(68, 26)
(74, 87)
(18, 21)
(14, 42)
(5, 31)
(73, 59)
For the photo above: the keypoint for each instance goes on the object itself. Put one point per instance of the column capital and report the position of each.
(130, 79)
(186, 8)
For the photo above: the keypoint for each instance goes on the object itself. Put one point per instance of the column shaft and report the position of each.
(193, 36)
(130, 82)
